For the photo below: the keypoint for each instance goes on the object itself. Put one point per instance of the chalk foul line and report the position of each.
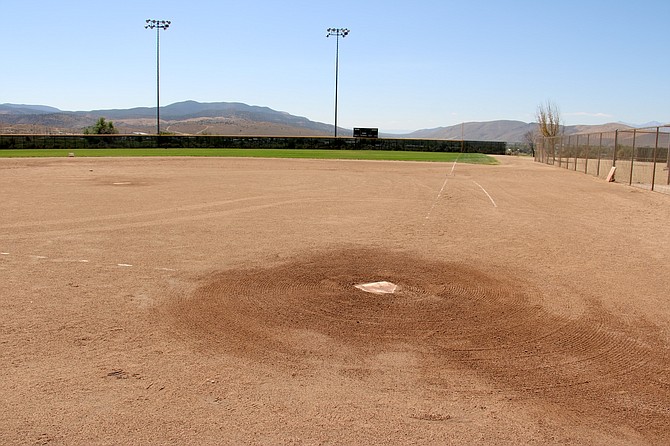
(437, 198)
(487, 194)
(444, 185)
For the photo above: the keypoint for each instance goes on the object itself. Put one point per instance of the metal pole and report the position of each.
(588, 150)
(337, 32)
(562, 146)
(337, 74)
(653, 172)
(600, 150)
(158, 25)
(570, 149)
(158, 82)
(553, 151)
(632, 159)
(616, 143)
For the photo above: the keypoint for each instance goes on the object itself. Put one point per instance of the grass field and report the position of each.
(471, 158)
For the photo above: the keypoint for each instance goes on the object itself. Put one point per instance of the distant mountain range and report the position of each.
(188, 117)
(504, 130)
(21, 109)
(232, 118)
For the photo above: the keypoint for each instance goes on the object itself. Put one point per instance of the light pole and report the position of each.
(337, 32)
(158, 25)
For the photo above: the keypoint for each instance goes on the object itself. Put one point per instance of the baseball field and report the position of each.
(173, 300)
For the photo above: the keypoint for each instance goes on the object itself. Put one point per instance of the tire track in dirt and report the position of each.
(178, 214)
(128, 215)
(451, 315)
(183, 216)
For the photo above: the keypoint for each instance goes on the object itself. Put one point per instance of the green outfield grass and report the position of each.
(473, 158)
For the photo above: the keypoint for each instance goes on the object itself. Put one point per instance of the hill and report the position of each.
(234, 118)
(503, 130)
(22, 109)
(188, 117)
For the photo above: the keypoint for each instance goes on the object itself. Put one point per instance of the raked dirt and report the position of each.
(213, 301)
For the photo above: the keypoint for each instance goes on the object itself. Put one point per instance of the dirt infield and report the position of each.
(213, 301)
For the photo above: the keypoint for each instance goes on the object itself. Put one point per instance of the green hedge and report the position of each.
(72, 142)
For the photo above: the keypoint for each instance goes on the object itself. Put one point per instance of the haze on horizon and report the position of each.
(406, 66)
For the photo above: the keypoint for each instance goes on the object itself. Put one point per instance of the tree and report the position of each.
(549, 126)
(548, 119)
(101, 127)
(529, 139)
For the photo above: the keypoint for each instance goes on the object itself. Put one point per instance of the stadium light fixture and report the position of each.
(337, 32)
(158, 25)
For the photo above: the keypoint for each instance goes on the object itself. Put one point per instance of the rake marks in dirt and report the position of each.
(448, 315)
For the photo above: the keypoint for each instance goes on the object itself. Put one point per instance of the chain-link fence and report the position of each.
(641, 156)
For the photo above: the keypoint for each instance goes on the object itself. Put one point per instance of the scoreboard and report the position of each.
(364, 132)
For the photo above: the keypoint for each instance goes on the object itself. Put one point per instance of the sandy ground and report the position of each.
(213, 301)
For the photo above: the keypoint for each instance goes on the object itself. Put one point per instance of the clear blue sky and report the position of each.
(406, 65)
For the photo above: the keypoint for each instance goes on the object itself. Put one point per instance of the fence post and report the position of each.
(561, 151)
(576, 152)
(616, 144)
(632, 159)
(570, 149)
(600, 150)
(588, 150)
(653, 171)
(553, 152)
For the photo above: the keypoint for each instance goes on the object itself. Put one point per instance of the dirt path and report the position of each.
(212, 301)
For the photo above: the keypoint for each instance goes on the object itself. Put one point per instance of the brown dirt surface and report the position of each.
(213, 301)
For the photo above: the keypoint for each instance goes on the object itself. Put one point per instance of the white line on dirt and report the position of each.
(437, 198)
(122, 265)
(439, 195)
(487, 194)
(442, 188)
(454, 166)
